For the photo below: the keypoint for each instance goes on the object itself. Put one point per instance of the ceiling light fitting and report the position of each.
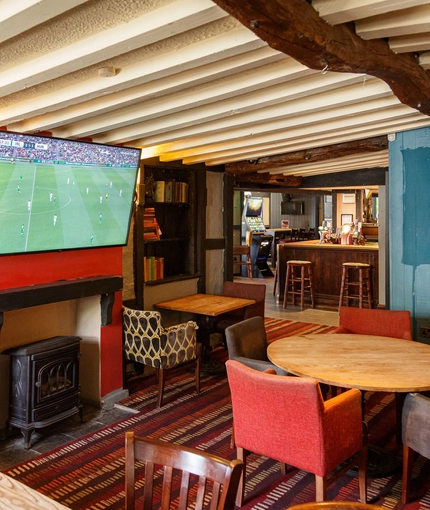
(107, 72)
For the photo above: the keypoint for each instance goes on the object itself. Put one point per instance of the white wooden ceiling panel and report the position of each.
(18, 16)
(191, 83)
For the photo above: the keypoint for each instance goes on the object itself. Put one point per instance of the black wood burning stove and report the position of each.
(44, 386)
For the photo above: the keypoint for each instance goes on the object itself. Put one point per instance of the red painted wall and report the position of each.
(32, 269)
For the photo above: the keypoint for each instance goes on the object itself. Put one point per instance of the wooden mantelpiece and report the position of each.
(63, 290)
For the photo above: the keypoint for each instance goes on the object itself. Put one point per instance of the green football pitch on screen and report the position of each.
(46, 207)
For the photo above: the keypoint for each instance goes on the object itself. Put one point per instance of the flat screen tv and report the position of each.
(58, 194)
(292, 208)
(254, 207)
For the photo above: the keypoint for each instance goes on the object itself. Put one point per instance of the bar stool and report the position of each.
(363, 284)
(302, 278)
(275, 282)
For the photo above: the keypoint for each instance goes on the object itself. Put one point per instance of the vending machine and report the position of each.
(256, 237)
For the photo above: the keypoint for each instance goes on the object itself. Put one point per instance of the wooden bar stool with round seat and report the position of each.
(299, 273)
(361, 285)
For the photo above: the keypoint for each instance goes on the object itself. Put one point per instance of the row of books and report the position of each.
(170, 191)
(151, 228)
(153, 269)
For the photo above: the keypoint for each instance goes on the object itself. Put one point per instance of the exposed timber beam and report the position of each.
(295, 28)
(277, 181)
(376, 144)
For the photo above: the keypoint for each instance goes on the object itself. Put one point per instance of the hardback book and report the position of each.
(159, 191)
(168, 194)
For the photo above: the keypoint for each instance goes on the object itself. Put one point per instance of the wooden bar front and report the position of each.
(327, 260)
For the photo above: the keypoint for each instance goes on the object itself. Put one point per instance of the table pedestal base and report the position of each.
(380, 463)
(212, 367)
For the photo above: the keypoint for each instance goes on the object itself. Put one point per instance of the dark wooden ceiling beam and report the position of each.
(269, 180)
(351, 179)
(339, 150)
(294, 27)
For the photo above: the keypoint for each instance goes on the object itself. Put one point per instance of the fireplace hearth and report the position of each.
(44, 384)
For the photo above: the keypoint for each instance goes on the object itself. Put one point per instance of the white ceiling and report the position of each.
(191, 83)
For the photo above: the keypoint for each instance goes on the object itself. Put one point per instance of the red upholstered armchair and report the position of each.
(286, 418)
(369, 321)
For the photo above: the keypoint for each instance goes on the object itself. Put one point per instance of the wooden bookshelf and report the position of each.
(165, 229)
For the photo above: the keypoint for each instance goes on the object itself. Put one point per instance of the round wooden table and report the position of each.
(369, 363)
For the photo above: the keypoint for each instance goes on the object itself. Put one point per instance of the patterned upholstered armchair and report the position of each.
(147, 342)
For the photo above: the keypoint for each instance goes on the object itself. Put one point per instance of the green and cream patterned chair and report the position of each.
(147, 342)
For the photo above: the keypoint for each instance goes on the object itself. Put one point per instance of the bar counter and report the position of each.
(327, 260)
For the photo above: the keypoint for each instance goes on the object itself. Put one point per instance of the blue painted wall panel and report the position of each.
(409, 226)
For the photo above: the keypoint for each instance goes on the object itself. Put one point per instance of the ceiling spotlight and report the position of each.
(107, 72)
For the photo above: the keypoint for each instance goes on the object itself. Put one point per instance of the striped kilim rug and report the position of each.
(88, 473)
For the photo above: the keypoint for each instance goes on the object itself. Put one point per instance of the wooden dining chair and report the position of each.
(256, 291)
(242, 257)
(216, 479)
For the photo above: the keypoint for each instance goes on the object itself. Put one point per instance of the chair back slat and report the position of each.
(149, 481)
(216, 494)
(166, 492)
(218, 478)
(201, 491)
(183, 492)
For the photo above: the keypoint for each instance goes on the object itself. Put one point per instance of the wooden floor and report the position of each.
(276, 310)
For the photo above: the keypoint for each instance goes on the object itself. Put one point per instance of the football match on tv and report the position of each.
(59, 194)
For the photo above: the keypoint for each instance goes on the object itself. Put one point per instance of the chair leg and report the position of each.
(311, 285)
(408, 459)
(360, 288)
(320, 488)
(232, 435)
(369, 290)
(287, 279)
(362, 473)
(275, 282)
(302, 288)
(241, 455)
(342, 287)
(198, 367)
(160, 373)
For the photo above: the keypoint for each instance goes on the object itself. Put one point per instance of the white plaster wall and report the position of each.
(214, 230)
(35, 323)
(215, 205)
(214, 271)
(88, 328)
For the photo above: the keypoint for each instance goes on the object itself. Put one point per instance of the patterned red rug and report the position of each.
(88, 473)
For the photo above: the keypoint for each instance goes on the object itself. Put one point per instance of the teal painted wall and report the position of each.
(409, 226)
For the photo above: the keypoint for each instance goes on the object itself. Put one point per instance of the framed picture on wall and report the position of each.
(346, 218)
(348, 198)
